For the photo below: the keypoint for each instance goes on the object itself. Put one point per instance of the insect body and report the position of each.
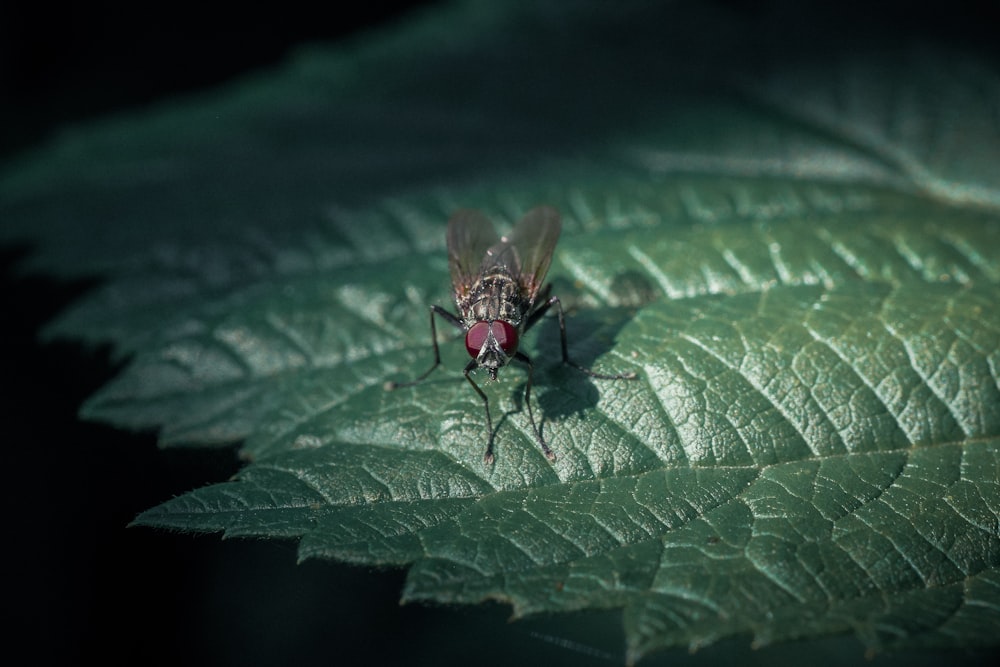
(499, 293)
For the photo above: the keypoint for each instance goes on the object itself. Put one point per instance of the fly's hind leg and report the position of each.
(549, 454)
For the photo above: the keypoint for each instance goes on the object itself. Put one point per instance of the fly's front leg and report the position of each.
(452, 320)
(488, 456)
(527, 401)
(544, 308)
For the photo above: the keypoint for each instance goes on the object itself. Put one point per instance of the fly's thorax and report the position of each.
(495, 296)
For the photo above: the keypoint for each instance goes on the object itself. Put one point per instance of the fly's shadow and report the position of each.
(591, 333)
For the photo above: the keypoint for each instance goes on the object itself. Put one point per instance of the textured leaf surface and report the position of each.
(802, 266)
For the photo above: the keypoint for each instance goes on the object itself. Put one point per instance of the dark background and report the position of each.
(65, 64)
(83, 587)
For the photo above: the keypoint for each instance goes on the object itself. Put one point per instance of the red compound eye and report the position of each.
(476, 338)
(506, 335)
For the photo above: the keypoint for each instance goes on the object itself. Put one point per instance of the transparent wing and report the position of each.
(534, 239)
(470, 236)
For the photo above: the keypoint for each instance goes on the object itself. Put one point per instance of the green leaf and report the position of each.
(801, 266)
(795, 456)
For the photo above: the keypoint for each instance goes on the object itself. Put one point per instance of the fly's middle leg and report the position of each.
(549, 454)
(540, 312)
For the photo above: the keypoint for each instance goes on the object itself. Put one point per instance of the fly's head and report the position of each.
(492, 344)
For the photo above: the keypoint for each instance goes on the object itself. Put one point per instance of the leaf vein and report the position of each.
(667, 419)
(911, 358)
(849, 365)
(851, 260)
(760, 390)
(969, 253)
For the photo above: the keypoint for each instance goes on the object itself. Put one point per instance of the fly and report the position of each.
(499, 293)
